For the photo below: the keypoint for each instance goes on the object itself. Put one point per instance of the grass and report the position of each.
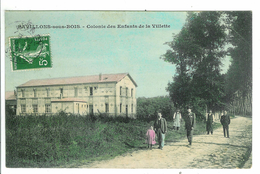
(69, 141)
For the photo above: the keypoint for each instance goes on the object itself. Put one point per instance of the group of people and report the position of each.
(159, 128)
(224, 120)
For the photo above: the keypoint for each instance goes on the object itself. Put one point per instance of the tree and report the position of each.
(239, 76)
(197, 52)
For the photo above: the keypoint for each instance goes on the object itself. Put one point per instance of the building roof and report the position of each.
(68, 100)
(9, 95)
(101, 78)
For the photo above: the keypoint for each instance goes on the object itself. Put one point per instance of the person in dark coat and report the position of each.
(160, 127)
(190, 125)
(225, 121)
(209, 123)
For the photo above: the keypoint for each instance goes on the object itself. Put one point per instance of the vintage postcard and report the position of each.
(128, 90)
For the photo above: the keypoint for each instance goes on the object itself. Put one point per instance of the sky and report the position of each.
(91, 51)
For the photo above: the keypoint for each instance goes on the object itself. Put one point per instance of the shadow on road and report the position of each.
(134, 147)
(226, 144)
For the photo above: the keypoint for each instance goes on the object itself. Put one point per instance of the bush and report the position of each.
(34, 141)
(62, 139)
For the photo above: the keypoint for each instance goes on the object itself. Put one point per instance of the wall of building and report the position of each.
(70, 107)
(125, 98)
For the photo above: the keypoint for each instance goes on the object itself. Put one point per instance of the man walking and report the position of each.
(209, 123)
(160, 127)
(190, 125)
(225, 121)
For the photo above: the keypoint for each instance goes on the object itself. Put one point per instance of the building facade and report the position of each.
(113, 94)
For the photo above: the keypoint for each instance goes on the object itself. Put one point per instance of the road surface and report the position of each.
(206, 152)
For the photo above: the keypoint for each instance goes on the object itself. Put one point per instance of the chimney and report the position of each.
(100, 76)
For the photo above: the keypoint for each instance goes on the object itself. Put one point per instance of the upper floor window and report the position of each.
(91, 91)
(34, 93)
(48, 100)
(76, 92)
(23, 92)
(48, 92)
(120, 90)
(61, 92)
(126, 91)
(132, 91)
(80, 91)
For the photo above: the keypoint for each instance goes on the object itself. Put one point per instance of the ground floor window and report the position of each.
(47, 108)
(35, 108)
(107, 107)
(23, 108)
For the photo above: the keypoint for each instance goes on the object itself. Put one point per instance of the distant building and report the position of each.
(10, 101)
(113, 94)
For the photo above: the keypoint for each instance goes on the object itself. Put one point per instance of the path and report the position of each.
(207, 152)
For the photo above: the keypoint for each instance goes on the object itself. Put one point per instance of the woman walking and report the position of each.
(177, 120)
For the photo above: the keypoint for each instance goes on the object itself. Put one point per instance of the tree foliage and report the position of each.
(239, 76)
(147, 108)
(197, 52)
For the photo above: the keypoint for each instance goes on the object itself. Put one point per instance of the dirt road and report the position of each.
(207, 152)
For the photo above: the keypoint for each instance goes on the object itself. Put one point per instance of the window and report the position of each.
(80, 91)
(34, 93)
(91, 91)
(91, 110)
(132, 90)
(120, 107)
(126, 91)
(23, 108)
(61, 92)
(120, 90)
(76, 92)
(107, 107)
(48, 92)
(86, 89)
(47, 108)
(23, 93)
(23, 102)
(132, 108)
(48, 100)
(126, 110)
(35, 108)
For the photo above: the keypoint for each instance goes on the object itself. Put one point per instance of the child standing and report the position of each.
(150, 137)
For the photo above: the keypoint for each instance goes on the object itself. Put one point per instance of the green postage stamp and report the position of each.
(30, 52)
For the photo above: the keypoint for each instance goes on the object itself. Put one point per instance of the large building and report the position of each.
(113, 94)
